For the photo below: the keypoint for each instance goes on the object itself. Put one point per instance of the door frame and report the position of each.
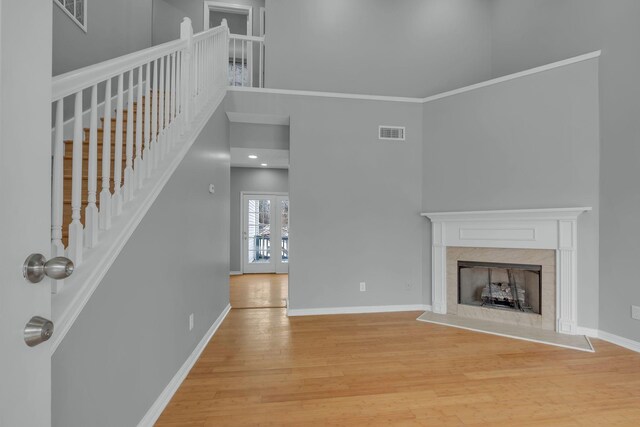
(243, 222)
(240, 9)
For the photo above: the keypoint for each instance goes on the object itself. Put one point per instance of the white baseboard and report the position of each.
(235, 273)
(158, 406)
(621, 341)
(589, 332)
(356, 310)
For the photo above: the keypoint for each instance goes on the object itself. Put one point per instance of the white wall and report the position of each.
(529, 33)
(114, 28)
(399, 48)
(133, 336)
(250, 179)
(355, 200)
(528, 143)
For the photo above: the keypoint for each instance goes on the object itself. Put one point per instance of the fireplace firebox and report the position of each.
(514, 287)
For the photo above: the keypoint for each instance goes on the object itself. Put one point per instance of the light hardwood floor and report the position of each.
(262, 368)
(258, 290)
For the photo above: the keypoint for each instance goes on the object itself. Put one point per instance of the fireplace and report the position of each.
(500, 286)
(529, 237)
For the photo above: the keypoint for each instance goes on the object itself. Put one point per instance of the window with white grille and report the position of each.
(76, 9)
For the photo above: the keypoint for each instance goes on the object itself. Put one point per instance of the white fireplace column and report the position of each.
(519, 229)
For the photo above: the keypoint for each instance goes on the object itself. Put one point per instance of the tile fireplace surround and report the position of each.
(528, 233)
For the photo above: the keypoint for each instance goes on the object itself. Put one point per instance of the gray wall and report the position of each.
(167, 15)
(530, 33)
(250, 135)
(355, 200)
(114, 28)
(380, 47)
(237, 23)
(133, 336)
(528, 143)
(250, 179)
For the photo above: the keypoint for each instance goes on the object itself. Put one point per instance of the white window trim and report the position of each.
(83, 26)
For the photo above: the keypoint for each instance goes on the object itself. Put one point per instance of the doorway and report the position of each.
(239, 17)
(265, 233)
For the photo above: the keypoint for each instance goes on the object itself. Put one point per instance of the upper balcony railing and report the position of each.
(246, 61)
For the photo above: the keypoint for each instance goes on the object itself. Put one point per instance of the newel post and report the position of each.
(225, 52)
(187, 70)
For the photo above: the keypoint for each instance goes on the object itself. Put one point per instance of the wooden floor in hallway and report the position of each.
(263, 368)
(259, 290)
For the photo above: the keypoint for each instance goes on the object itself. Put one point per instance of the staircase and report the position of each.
(111, 161)
(68, 163)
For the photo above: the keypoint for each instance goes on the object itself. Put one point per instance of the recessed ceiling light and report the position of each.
(253, 156)
(264, 164)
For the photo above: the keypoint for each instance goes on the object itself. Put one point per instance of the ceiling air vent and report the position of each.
(391, 133)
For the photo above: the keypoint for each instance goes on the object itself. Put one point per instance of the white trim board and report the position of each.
(356, 310)
(325, 94)
(68, 304)
(235, 273)
(505, 335)
(621, 341)
(503, 79)
(529, 72)
(162, 401)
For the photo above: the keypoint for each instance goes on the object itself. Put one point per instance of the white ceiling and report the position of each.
(275, 159)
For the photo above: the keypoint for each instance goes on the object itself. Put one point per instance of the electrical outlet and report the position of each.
(363, 287)
(635, 312)
(408, 287)
(191, 322)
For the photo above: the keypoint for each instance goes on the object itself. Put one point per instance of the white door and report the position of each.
(282, 214)
(265, 235)
(25, 225)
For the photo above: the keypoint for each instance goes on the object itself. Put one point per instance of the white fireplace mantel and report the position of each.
(521, 229)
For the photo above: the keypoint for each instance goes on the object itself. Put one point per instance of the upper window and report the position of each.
(76, 9)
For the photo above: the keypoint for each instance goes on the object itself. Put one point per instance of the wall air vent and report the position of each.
(391, 133)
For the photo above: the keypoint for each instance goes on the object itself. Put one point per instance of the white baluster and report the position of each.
(242, 64)
(234, 68)
(57, 191)
(128, 170)
(140, 163)
(173, 100)
(91, 220)
(250, 61)
(117, 167)
(216, 64)
(261, 76)
(161, 99)
(180, 127)
(167, 100)
(147, 120)
(208, 69)
(75, 228)
(186, 33)
(154, 114)
(105, 194)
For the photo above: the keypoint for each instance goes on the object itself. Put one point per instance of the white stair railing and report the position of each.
(157, 93)
(246, 61)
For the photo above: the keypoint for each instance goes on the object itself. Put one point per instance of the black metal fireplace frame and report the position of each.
(526, 267)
